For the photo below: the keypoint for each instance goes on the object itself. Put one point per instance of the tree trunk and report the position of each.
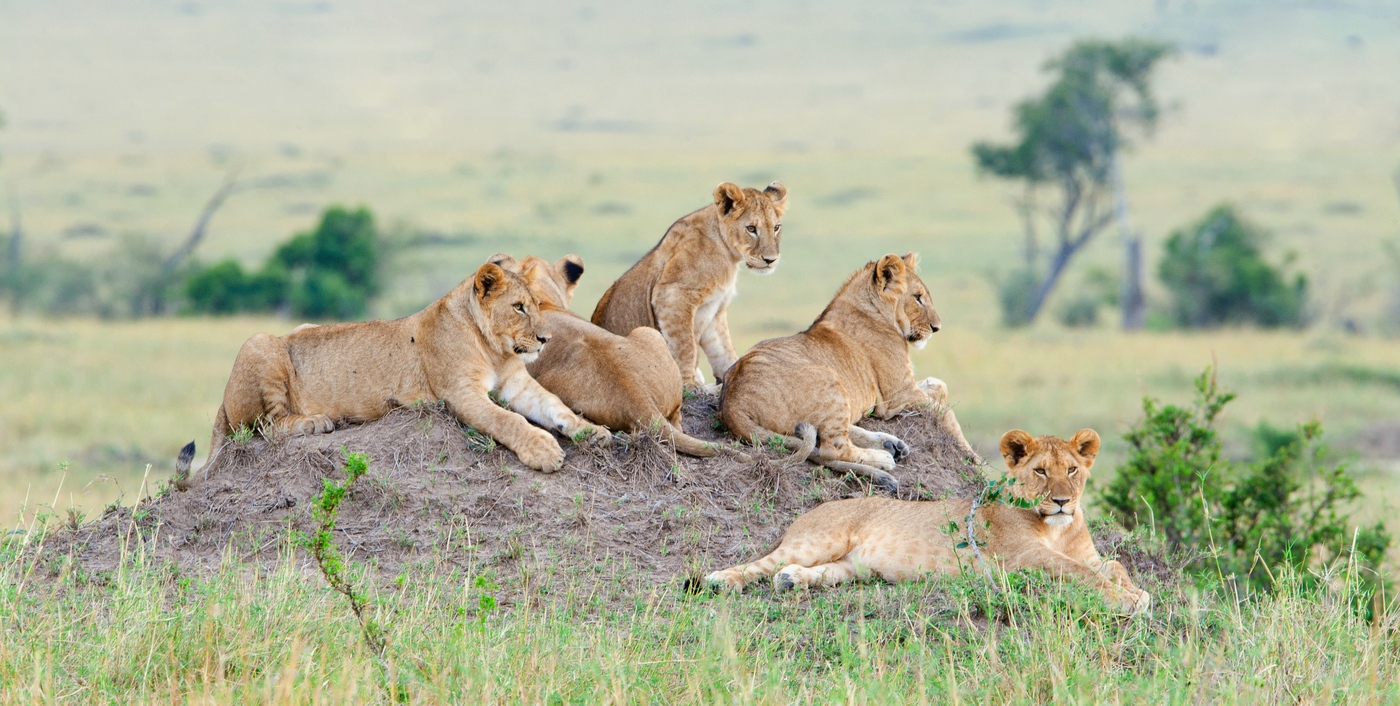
(1052, 277)
(1130, 297)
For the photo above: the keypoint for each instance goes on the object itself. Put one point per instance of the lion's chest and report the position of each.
(718, 299)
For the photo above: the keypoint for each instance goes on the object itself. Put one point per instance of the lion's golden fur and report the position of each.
(473, 342)
(627, 383)
(852, 361)
(899, 540)
(683, 286)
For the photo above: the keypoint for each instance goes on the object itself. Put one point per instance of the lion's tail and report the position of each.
(803, 444)
(692, 446)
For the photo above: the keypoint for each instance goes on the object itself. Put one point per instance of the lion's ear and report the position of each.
(1085, 442)
(728, 196)
(502, 260)
(489, 277)
(911, 260)
(889, 274)
(571, 267)
(1016, 445)
(777, 193)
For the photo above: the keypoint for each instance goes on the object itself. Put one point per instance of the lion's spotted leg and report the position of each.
(806, 550)
(1127, 598)
(879, 440)
(714, 340)
(830, 574)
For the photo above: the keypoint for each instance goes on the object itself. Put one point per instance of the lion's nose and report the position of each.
(933, 328)
(770, 260)
(1061, 501)
(542, 339)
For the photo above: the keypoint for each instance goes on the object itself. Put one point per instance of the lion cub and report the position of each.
(684, 285)
(853, 360)
(899, 540)
(627, 383)
(465, 346)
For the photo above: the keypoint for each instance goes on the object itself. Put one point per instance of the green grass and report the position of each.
(146, 633)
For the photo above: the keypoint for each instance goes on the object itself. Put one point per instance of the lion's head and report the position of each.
(508, 314)
(552, 283)
(750, 221)
(1050, 470)
(901, 296)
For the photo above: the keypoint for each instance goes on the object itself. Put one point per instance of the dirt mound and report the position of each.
(438, 490)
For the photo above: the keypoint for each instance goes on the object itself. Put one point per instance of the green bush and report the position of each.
(1217, 275)
(1245, 520)
(328, 273)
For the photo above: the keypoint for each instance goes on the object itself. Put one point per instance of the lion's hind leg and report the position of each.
(828, 574)
(260, 388)
(808, 551)
(866, 438)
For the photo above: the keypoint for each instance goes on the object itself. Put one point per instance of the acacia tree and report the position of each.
(1068, 142)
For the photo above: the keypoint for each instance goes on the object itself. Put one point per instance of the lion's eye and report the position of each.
(1072, 469)
(520, 307)
(919, 298)
(1040, 472)
(753, 230)
(777, 227)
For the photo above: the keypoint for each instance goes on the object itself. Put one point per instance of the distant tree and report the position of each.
(328, 273)
(1069, 140)
(1216, 273)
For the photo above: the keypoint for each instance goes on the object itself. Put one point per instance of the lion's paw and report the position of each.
(879, 458)
(786, 579)
(540, 451)
(897, 448)
(306, 425)
(722, 581)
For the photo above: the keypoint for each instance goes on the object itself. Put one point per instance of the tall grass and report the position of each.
(145, 632)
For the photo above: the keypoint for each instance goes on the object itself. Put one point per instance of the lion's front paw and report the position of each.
(935, 389)
(598, 436)
(540, 451)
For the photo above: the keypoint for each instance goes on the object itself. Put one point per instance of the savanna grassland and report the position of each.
(557, 127)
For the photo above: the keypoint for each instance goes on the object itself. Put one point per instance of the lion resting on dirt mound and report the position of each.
(683, 286)
(852, 361)
(899, 540)
(626, 383)
(467, 345)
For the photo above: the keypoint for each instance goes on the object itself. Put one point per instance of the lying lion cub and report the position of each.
(627, 383)
(683, 286)
(898, 540)
(472, 342)
(853, 360)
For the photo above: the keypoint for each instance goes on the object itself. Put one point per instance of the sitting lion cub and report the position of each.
(627, 383)
(472, 342)
(683, 286)
(853, 360)
(898, 540)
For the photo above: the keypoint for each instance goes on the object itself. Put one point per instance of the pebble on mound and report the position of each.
(437, 490)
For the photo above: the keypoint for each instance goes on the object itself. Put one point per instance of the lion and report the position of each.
(626, 383)
(899, 540)
(683, 286)
(462, 348)
(852, 361)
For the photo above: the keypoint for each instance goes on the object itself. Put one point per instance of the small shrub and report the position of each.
(328, 273)
(1244, 521)
(1217, 275)
(1016, 295)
